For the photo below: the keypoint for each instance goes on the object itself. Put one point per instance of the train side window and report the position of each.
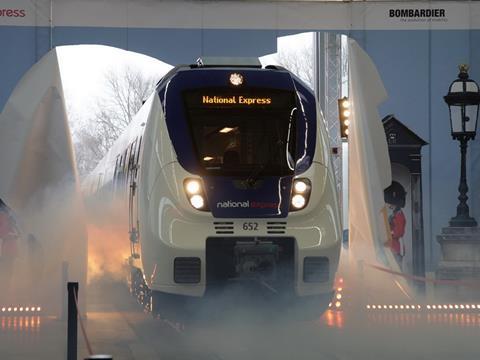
(125, 162)
(138, 150)
(129, 158)
(99, 183)
(120, 169)
(134, 152)
(115, 172)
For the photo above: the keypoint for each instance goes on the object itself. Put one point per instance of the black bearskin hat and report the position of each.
(395, 194)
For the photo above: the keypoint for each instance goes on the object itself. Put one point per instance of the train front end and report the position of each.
(237, 185)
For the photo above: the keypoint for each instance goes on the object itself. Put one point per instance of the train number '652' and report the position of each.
(250, 226)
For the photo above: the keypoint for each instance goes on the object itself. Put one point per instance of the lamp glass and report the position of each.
(466, 124)
(471, 113)
(457, 87)
(471, 86)
(456, 119)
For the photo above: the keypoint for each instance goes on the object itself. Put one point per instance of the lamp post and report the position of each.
(463, 100)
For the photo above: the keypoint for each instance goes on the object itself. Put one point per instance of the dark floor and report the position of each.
(117, 325)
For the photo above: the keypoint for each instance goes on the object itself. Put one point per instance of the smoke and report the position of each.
(52, 237)
(108, 251)
(250, 329)
(108, 239)
(369, 284)
(245, 321)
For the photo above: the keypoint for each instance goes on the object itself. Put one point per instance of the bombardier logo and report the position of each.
(247, 204)
(418, 14)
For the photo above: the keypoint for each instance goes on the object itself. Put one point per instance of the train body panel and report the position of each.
(227, 182)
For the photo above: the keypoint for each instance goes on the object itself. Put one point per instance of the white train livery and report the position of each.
(225, 174)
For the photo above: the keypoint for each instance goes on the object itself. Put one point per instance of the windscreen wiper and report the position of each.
(253, 177)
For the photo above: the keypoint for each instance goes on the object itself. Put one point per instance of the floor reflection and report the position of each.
(340, 318)
(19, 323)
(333, 318)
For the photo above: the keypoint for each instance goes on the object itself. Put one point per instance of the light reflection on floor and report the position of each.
(341, 309)
(411, 320)
(333, 318)
(20, 323)
(339, 319)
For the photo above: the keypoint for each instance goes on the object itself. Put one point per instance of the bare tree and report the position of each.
(300, 61)
(126, 91)
(89, 149)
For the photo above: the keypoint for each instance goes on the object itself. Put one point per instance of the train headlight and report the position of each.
(300, 194)
(192, 187)
(195, 194)
(197, 201)
(298, 201)
(300, 186)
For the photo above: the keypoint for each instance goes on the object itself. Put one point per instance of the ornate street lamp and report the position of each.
(463, 100)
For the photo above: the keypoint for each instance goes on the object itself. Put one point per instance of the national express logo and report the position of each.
(246, 204)
(418, 14)
(12, 13)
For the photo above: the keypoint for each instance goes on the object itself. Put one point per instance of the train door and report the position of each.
(133, 224)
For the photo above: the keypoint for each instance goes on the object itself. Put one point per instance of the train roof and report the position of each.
(219, 63)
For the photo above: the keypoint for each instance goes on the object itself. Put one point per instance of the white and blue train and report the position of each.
(225, 175)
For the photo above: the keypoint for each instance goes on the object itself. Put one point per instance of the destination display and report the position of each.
(220, 99)
(232, 100)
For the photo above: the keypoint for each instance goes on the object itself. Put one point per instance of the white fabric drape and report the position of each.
(38, 180)
(369, 174)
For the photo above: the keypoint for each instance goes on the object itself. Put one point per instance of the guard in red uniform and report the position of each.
(395, 196)
(397, 223)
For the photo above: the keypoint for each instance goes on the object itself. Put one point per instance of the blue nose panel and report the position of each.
(230, 197)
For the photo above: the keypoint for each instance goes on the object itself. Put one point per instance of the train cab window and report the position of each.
(291, 137)
(241, 140)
